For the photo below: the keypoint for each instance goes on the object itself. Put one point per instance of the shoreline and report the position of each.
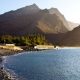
(6, 75)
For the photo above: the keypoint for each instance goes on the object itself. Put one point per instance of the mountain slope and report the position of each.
(72, 25)
(72, 38)
(62, 18)
(31, 19)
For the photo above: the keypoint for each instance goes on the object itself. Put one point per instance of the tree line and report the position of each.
(28, 40)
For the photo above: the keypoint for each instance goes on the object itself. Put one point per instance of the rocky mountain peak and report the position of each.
(54, 11)
(28, 9)
(33, 6)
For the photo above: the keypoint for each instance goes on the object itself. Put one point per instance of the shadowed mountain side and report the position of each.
(72, 38)
(55, 39)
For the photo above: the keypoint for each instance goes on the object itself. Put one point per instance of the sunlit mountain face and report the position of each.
(32, 19)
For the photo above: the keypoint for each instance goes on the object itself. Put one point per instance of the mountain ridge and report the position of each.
(33, 20)
(33, 17)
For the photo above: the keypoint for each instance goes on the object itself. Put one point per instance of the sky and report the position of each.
(69, 8)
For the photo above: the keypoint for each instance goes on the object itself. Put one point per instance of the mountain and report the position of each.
(68, 24)
(72, 25)
(72, 38)
(31, 19)
(24, 10)
(61, 17)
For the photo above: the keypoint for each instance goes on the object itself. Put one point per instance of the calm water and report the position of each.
(46, 65)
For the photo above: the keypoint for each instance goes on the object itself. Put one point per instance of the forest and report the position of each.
(27, 40)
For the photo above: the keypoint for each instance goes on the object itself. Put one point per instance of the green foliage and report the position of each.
(6, 39)
(29, 40)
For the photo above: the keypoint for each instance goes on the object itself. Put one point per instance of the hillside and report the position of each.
(72, 25)
(31, 19)
(72, 38)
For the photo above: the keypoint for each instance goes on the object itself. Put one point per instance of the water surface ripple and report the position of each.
(46, 65)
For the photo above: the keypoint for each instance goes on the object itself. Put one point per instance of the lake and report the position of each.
(63, 64)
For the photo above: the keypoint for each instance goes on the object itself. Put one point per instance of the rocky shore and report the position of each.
(6, 52)
(3, 73)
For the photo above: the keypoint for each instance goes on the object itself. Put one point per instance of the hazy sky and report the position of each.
(69, 8)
